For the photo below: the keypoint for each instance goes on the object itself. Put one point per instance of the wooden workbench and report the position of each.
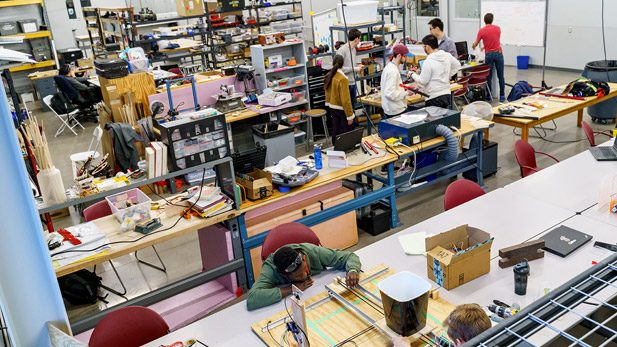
(111, 227)
(556, 107)
(330, 323)
(375, 99)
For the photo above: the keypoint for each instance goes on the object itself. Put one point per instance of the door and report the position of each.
(463, 20)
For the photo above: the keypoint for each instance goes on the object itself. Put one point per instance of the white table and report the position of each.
(231, 327)
(573, 184)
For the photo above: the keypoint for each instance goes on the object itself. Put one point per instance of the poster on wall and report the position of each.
(321, 27)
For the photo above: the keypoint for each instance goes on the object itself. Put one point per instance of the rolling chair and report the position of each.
(130, 326)
(461, 191)
(286, 234)
(526, 157)
(85, 106)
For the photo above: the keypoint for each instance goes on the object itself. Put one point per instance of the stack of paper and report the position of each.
(413, 244)
(91, 237)
(337, 159)
(210, 206)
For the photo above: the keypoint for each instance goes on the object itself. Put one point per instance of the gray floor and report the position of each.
(181, 255)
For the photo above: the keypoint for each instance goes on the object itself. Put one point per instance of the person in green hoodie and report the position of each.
(295, 264)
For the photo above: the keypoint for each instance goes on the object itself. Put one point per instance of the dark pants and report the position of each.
(339, 123)
(442, 101)
(495, 59)
(353, 91)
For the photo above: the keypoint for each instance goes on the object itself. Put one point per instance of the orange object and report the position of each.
(291, 62)
(186, 214)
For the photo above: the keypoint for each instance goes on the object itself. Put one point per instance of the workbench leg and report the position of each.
(452, 105)
(234, 225)
(579, 118)
(480, 150)
(250, 277)
(486, 131)
(392, 198)
(525, 133)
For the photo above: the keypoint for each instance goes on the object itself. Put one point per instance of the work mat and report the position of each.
(330, 323)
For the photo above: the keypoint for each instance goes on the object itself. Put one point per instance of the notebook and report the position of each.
(564, 240)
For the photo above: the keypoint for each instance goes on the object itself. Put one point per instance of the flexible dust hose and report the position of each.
(451, 140)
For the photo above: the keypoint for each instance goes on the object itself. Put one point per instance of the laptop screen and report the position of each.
(421, 62)
(461, 48)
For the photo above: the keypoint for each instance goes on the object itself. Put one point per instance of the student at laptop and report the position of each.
(464, 323)
(445, 43)
(393, 96)
(436, 72)
(338, 99)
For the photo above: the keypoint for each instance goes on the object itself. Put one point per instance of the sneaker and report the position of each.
(489, 99)
(502, 98)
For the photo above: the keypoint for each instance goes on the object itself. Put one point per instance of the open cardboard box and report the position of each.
(451, 268)
(259, 187)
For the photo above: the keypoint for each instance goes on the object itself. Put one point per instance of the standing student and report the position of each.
(337, 98)
(435, 74)
(491, 35)
(445, 43)
(348, 52)
(393, 96)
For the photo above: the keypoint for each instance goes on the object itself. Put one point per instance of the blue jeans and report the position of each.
(496, 59)
(353, 95)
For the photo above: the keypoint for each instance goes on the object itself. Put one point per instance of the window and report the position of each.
(467, 8)
(428, 8)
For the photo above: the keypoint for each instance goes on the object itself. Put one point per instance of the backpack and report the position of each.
(587, 87)
(81, 287)
(520, 88)
(60, 104)
(476, 93)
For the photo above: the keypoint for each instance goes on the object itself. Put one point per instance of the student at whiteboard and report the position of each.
(490, 36)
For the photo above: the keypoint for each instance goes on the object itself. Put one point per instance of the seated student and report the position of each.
(338, 98)
(79, 83)
(296, 263)
(435, 74)
(464, 323)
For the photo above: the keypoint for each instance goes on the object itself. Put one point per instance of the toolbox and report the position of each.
(111, 68)
(192, 142)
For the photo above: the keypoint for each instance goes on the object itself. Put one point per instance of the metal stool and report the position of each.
(310, 114)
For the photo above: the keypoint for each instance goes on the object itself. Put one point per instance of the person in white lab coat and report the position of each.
(393, 96)
(435, 74)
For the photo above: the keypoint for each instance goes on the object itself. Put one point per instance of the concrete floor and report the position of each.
(181, 255)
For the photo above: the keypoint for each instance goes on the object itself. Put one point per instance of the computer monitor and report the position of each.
(461, 49)
(421, 63)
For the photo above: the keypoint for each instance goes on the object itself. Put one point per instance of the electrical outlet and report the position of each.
(569, 30)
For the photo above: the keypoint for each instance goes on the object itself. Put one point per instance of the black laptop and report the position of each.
(563, 240)
(347, 142)
(605, 153)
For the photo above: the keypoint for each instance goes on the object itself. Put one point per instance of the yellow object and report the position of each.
(311, 13)
(391, 141)
(614, 132)
(121, 179)
(473, 63)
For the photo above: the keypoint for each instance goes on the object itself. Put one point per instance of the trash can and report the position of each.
(405, 302)
(522, 62)
(278, 138)
(603, 70)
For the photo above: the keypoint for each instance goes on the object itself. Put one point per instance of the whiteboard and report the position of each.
(521, 22)
(321, 27)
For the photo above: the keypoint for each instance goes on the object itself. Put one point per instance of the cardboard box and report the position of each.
(451, 268)
(190, 7)
(259, 187)
(112, 93)
(85, 62)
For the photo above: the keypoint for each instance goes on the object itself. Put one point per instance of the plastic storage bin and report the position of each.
(296, 80)
(52, 188)
(377, 221)
(298, 96)
(405, 302)
(300, 137)
(138, 209)
(359, 12)
(278, 139)
(603, 112)
(522, 62)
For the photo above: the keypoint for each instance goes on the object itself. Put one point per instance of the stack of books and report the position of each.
(211, 203)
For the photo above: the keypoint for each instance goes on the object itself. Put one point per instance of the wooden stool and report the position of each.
(316, 113)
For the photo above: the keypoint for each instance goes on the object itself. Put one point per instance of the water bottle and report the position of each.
(317, 154)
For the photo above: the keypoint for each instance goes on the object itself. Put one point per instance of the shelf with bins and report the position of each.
(266, 75)
(99, 20)
(389, 11)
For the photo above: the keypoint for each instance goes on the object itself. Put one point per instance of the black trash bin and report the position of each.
(603, 70)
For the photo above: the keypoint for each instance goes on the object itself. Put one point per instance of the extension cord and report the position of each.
(407, 187)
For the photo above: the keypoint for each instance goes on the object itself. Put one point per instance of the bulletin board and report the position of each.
(521, 22)
(321, 27)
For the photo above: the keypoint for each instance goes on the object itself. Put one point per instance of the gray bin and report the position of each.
(279, 140)
(41, 54)
(603, 70)
(8, 28)
(25, 27)
(39, 43)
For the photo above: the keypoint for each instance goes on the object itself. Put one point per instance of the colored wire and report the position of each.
(292, 319)
(268, 328)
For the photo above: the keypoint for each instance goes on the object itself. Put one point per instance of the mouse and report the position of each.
(311, 157)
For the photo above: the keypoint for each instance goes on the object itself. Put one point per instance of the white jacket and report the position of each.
(436, 72)
(393, 96)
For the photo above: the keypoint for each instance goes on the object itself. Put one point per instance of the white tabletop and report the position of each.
(511, 218)
(573, 184)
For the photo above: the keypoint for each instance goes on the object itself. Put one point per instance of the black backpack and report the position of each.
(587, 87)
(81, 287)
(61, 104)
(476, 93)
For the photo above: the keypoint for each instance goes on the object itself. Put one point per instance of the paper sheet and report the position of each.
(413, 244)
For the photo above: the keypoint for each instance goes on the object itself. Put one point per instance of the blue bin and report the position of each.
(522, 62)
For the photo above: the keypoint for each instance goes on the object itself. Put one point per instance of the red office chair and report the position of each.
(479, 77)
(130, 326)
(591, 134)
(286, 234)
(464, 82)
(99, 210)
(526, 157)
(177, 71)
(461, 191)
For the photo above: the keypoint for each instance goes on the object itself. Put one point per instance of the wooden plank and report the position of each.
(515, 254)
(142, 84)
(331, 323)
(375, 99)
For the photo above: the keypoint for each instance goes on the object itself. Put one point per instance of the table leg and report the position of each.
(394, 221)
(525, 133)
(486, 134)
(479, 153)
(579, 119)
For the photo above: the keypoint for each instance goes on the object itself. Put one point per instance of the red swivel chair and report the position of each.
(130, 326)
(526, 157)
(461, 191)
(591, 134)
(479, 77)
(464, 82)
(176, 71)
(286, 234)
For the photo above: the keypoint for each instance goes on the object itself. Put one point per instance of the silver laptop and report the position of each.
(605, 153)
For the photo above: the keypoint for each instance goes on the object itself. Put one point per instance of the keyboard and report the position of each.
(606, 151)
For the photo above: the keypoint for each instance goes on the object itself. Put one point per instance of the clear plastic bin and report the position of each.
(283, 82)
(296, 80)
(280, 26)
(138, 209)
(298, 96)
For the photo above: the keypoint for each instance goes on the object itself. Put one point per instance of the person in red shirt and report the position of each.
(490, 35)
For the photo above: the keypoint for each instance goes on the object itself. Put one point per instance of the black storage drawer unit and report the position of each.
(192, 142)
(317, 95)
